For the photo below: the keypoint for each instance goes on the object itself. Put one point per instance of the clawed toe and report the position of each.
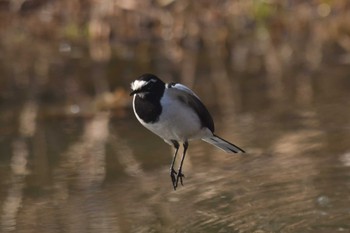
(176, 177)
(173, 176)
(180, 177)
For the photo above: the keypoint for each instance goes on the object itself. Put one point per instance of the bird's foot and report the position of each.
(179, 177)
(173, 174)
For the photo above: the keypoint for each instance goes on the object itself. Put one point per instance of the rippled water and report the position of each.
(108, 174)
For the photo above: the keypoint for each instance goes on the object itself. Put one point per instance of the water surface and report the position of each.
(103, 172)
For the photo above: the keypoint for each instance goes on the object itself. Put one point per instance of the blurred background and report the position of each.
(275, 74)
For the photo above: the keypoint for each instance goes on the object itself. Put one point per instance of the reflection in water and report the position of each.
(96, 175)
(19, 160)
(275, 75)
(84, 161)
(125, 156)
(287, 183)
(11, 205)
(345, 159)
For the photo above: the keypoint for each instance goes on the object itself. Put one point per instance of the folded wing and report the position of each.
(188, 97)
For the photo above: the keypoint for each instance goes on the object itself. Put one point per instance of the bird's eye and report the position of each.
(149, 85)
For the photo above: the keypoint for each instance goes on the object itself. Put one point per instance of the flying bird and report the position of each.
(176, 114)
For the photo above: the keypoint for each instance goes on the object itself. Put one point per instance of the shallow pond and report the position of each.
(106, 173)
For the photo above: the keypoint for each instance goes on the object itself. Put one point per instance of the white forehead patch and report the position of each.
(138, 84)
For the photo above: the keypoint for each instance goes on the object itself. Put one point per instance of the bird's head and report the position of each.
(147, 84)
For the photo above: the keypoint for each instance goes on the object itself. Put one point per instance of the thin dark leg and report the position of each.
(180, 175)
(172, 171)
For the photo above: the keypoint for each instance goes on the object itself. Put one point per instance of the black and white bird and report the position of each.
(176, 114)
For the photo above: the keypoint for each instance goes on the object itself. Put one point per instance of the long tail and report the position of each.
(223, 144)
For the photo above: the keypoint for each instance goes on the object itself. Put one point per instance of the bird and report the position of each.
(177, 115)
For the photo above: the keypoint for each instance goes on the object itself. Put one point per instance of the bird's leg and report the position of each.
(172, 171)
(180, 175)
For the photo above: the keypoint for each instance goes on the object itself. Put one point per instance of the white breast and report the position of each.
(177, 121)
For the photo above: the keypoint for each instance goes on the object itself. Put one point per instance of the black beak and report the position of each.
(134, 92)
